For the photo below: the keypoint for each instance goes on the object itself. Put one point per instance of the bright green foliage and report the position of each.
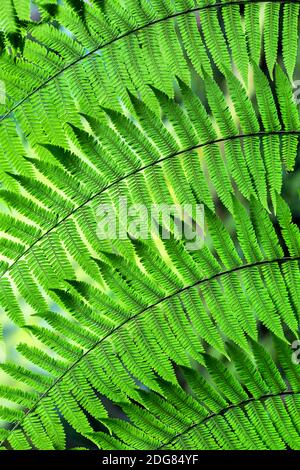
(193, 346)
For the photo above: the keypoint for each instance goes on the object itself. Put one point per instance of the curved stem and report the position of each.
(226, 410)
(135, 172)
(141, 312)
(134, 31)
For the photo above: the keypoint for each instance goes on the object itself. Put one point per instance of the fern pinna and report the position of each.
(144, 344)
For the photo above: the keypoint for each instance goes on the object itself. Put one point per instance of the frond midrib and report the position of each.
(226, 410)
(138, 314)
(135, 172)
(123, 178)
(134, 31)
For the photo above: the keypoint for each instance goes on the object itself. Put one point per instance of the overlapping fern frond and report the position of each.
(192, 346)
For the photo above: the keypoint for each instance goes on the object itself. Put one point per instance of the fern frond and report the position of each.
(152, 103)
(289, 37)
(217, 416)
(271, 34)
